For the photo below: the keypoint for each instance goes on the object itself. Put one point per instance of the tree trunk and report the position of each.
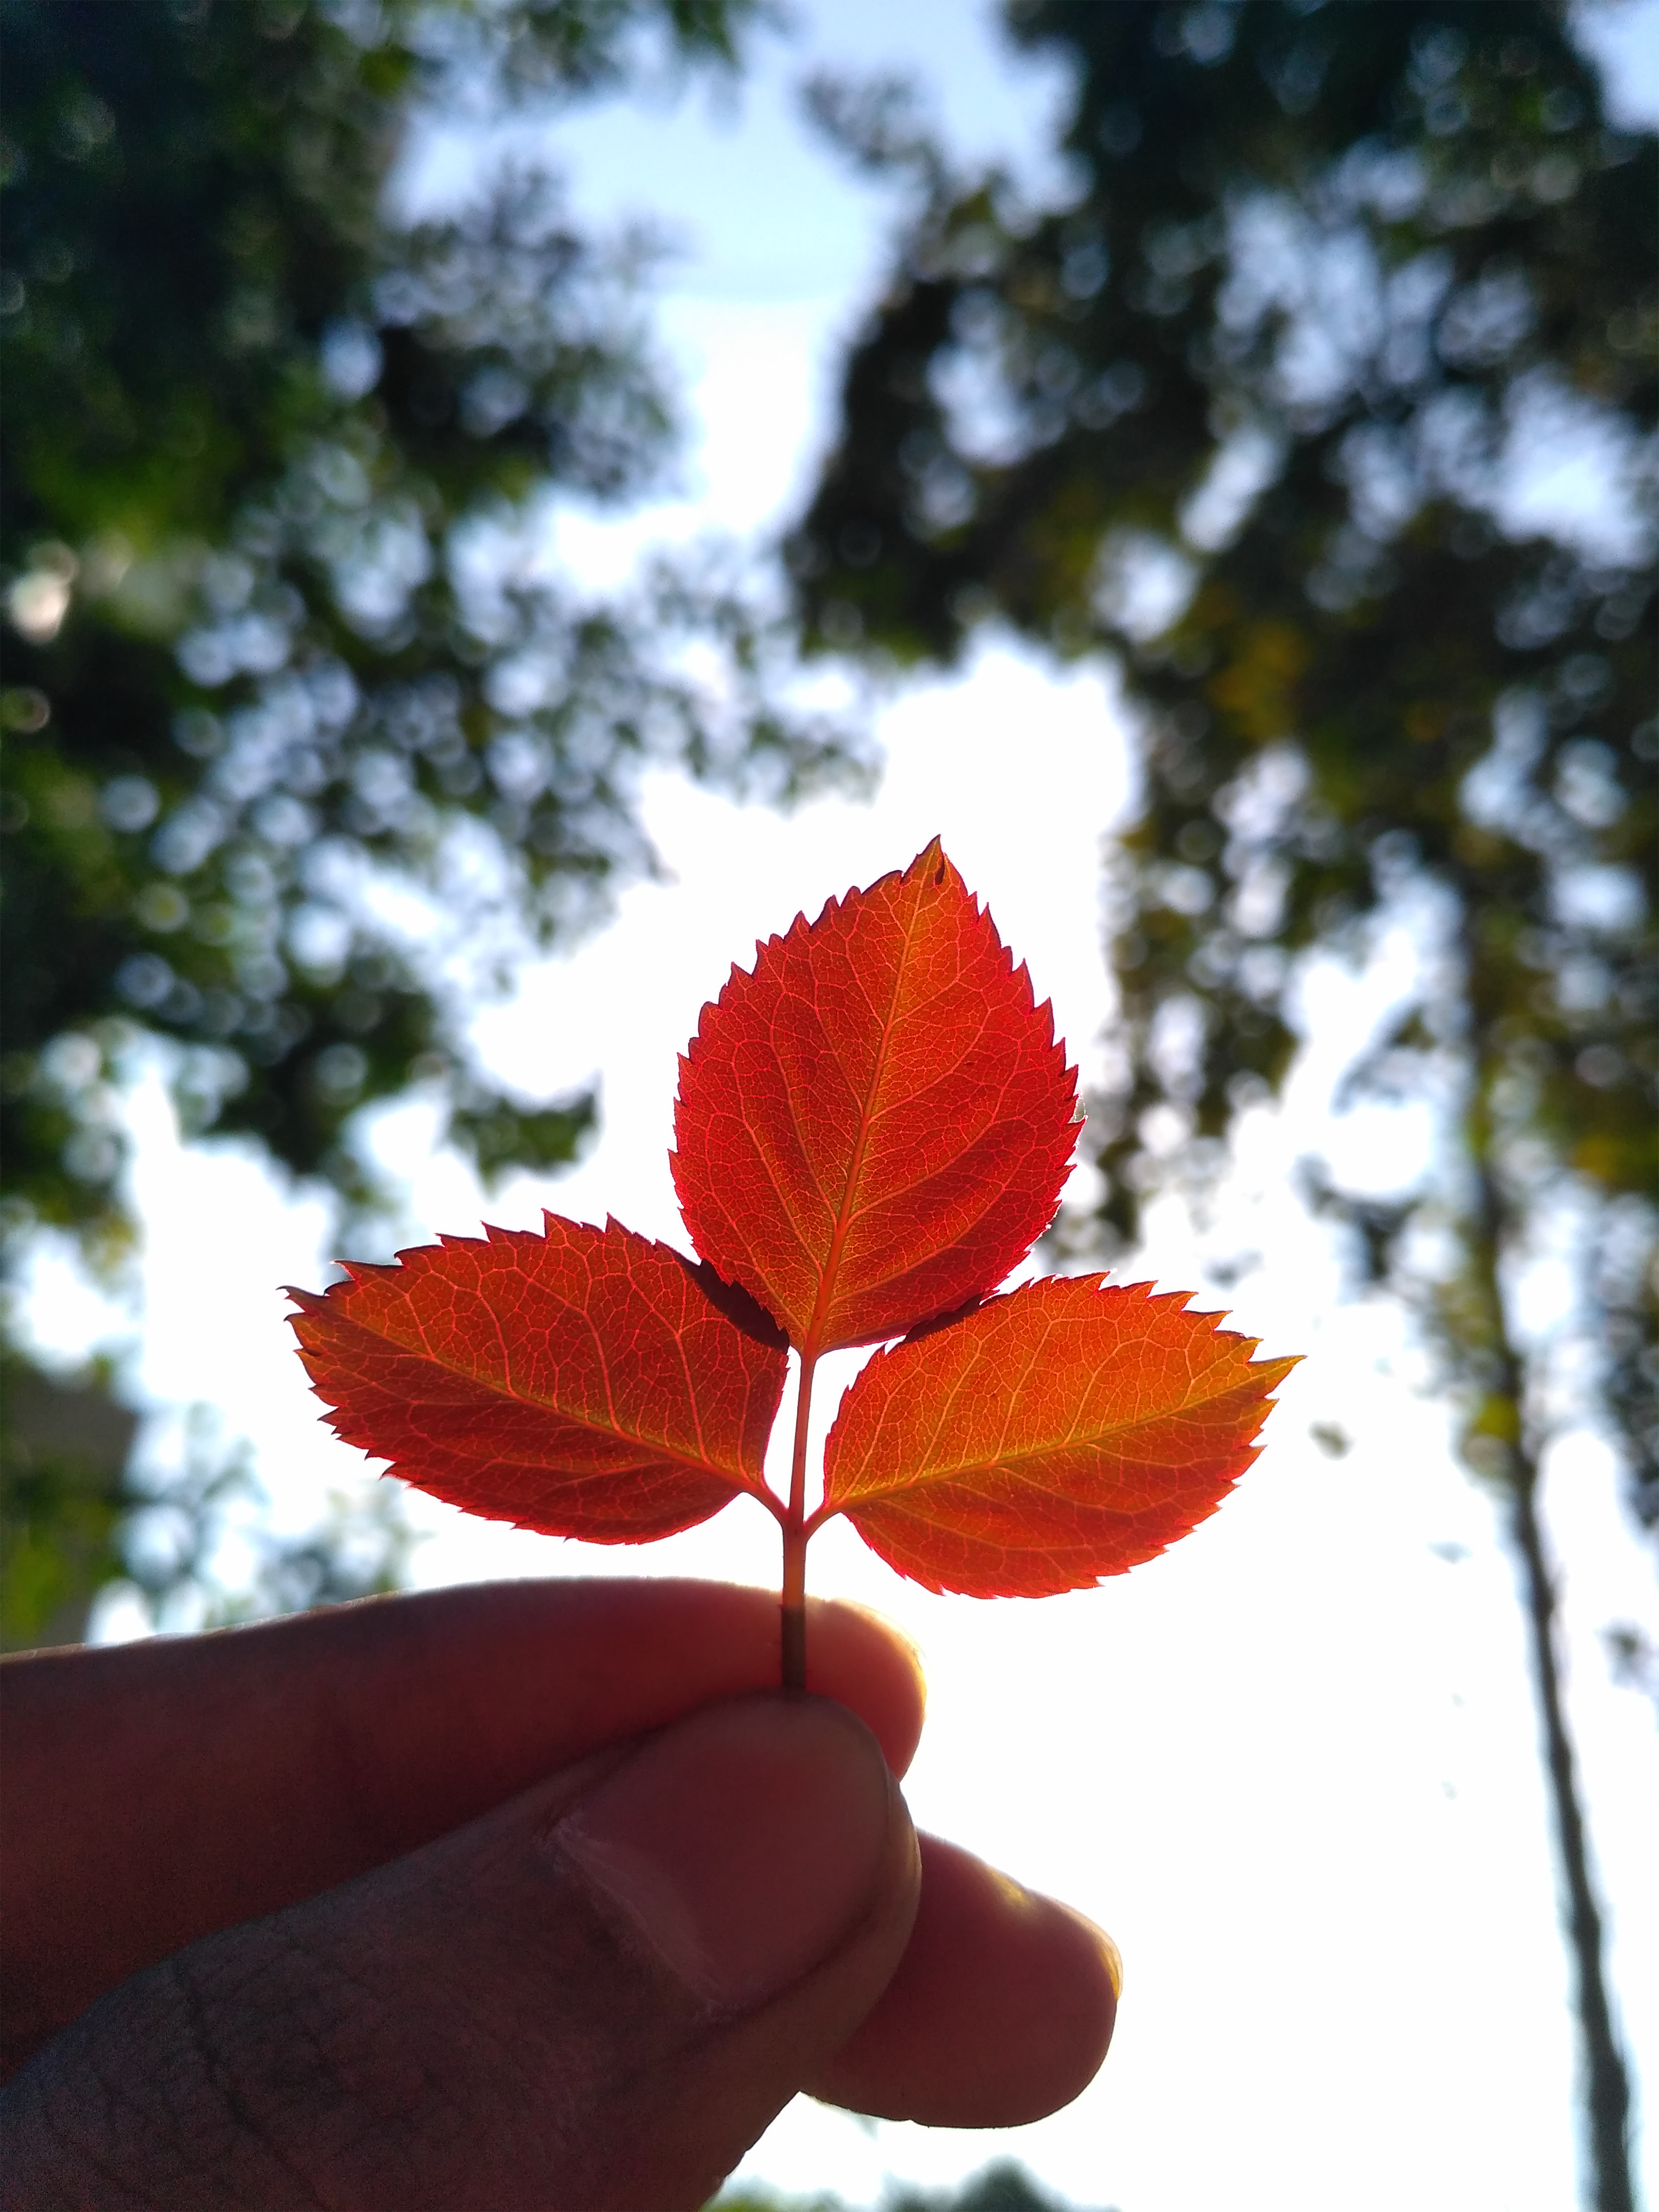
(1606, 2084)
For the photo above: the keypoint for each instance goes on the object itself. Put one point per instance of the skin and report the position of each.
(366, 1908)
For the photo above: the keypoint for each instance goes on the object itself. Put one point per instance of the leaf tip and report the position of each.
(1274, 1371)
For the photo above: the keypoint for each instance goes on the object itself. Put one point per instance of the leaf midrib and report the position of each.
(1014, 1461)
(503, 1390)
(847, 1214)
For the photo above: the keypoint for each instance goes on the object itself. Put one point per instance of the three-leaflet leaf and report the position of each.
(873, 1127)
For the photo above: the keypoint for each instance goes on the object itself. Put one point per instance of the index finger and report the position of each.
(159, 1792)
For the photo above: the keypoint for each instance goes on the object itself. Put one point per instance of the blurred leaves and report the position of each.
(1633, 1658)
(308, 740)
(1001, 2187)
(186, 1535)
(308, 737)
(1267, 410)
(63, 1455)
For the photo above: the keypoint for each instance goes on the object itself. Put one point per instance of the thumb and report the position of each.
(597, 1996)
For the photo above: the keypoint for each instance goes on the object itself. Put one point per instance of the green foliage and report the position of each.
(76, 1515)
(302, 746)
(1003, 2187)
(497, 1136)
(62, 1451)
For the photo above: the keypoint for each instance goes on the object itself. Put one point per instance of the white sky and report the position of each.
(1290, 1765)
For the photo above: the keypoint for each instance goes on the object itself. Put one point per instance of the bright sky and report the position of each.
(1290, 1765)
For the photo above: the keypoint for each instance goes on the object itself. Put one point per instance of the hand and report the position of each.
(517, 1898)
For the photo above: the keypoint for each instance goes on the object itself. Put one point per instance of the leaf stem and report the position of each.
(795, 1532)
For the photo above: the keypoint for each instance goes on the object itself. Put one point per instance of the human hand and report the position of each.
(505, 1899)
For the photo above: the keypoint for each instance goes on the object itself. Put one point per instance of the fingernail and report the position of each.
(742, 1843)
(1114, 1958)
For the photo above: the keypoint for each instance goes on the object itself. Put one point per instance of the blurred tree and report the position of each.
(66, 1448)
(1265, 409)
(190, 1534)
(1004, 2187)
(302, 746)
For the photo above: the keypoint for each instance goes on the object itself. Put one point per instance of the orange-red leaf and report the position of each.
(1061, 1433)
(874, 1126)
(586, 1382)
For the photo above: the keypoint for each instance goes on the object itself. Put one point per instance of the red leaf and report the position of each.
(586, 1382)
(875, 1125)
(1061, 1433)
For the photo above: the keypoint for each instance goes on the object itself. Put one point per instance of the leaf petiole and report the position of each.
(795, 1533)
